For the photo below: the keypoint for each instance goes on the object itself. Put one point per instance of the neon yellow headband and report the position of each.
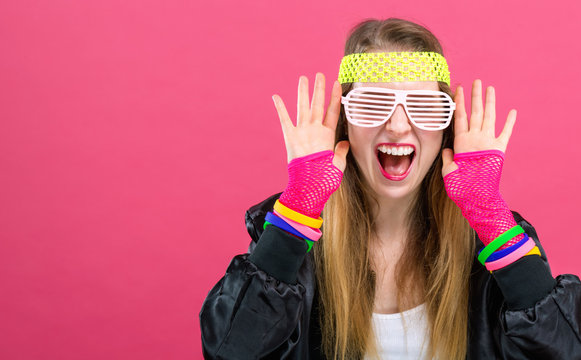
(393, 67)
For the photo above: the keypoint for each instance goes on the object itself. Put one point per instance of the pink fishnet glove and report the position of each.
(311, 181)
(474, 187)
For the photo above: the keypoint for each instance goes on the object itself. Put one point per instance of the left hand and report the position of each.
(479, 135)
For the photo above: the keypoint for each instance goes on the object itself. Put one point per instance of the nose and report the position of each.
(398, 123)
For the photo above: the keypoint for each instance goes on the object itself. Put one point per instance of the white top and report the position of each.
(392, 340)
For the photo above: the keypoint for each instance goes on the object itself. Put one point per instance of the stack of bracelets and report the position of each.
(308, 229)
(295, 223)
(494, 260)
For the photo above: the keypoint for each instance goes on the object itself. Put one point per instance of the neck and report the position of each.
(391, 219)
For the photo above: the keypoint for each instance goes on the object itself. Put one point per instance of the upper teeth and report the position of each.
(396, 150)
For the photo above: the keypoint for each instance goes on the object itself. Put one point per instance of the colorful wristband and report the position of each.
(312, 234)
(298, 217)
(512, 257)
(534, 251)
(497, 255)
(309, 242)
(278, 222)
(498, 242)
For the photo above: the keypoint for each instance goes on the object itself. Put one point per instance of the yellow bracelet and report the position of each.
(534, 251)
(298, 217)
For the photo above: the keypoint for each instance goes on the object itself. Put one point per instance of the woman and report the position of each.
(421, 257)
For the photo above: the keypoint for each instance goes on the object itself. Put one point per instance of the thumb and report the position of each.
(448, 164)
(340, 158)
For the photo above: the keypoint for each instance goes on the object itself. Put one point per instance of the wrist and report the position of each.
(489, 221)
(312, 180)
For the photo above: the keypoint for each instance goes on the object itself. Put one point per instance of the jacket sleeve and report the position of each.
(541, 317)
(255, 310)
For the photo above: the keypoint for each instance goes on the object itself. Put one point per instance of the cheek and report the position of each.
(432, 144)
(360, 142)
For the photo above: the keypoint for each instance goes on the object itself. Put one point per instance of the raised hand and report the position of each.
(472, 174)
(315, 130)
(478, 134)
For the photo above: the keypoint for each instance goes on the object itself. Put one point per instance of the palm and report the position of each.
(479, 133)
(315, 129)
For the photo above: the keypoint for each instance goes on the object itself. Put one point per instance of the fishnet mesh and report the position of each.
(312, 180)
(394, 67)
(474, 187)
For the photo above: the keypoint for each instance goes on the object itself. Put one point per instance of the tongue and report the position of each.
(394, 164)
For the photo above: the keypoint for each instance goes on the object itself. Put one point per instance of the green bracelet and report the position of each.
(498, 242)
(309, 242)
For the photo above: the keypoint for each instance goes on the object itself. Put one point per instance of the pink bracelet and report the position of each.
(512, 257)
(309, 232)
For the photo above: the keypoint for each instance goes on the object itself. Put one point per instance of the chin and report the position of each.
(393, 192)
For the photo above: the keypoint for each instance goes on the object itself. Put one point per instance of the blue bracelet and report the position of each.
(278, 222)
(502, 253)
(272, 219)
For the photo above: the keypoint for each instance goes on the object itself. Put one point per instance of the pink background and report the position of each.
(135, 134)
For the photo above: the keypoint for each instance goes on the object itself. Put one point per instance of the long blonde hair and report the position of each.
(440, 243)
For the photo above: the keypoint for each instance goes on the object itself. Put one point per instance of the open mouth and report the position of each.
(395, 166)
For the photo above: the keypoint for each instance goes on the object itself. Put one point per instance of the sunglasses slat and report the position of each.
(429, 113)
(355, 106)
(379, 117)
(371, 101)
(440, 103)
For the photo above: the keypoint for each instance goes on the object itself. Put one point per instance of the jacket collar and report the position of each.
(255, 215)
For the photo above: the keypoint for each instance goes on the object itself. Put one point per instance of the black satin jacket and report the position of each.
(265, 305)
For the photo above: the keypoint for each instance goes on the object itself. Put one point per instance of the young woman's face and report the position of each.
(390, 176)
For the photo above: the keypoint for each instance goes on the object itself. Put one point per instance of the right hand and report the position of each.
(313, 133)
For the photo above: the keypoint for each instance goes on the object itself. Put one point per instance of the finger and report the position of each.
(285, 120)
(490, 112)
(332, 115)
(477, 112)
(460, 118)
(447, 157)
(340, 158)
(318, 102)
(448, 164)
(504, 136)
(303, 100)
